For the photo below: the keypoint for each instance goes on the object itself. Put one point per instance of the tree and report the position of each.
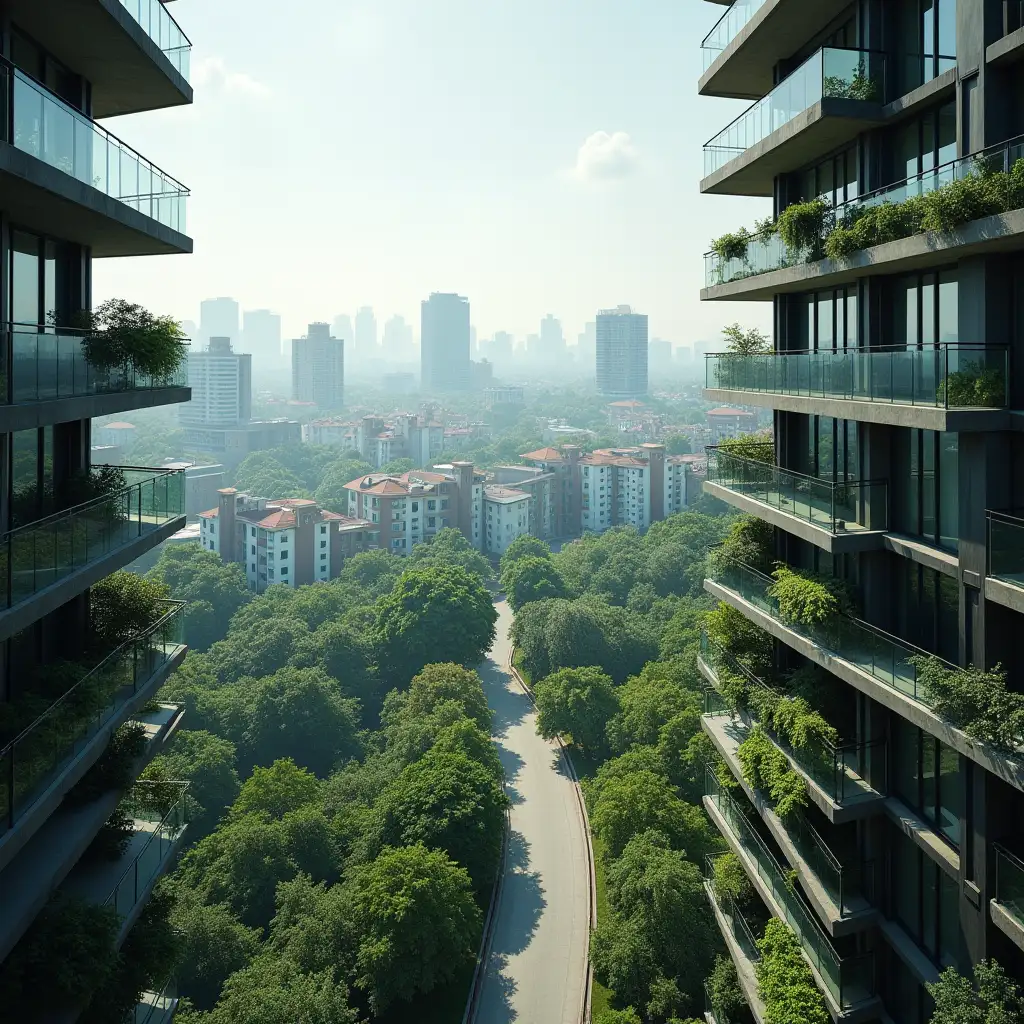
(747, 342)
(450, 547)
(257, 652)
(372, 572)
(417, 920)
(436, 685)
(398, 466)
(330, 492)
(342, 652)
(123, 335)
(311, 926)
(678, 444)
(531, 579)
(281, 788)
(646, 702)
(466, 737)
(524, 546)
(125, 604)
(447, 802)
(265, 476)
(430, 610)
(578, 702)
(992, 998)
(626, 1016)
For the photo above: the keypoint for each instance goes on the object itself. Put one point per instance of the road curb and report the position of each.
(588, 978)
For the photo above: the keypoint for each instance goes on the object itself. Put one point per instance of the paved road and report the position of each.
(536, 970)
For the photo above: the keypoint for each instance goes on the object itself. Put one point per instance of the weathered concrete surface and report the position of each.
(536, 968)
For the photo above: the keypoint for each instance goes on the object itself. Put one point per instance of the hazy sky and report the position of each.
(539, 156)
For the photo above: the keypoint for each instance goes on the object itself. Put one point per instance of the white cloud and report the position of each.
(606, 157)
(212, 76)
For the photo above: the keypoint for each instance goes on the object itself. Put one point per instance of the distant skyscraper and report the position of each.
(502, 346)
(261, 336)
(218, 318)
(318, 368)
(366, 334)
(342, 329)
(586, 342)
(552, 341)
(474, 343)
(444, 343)
(397, 340)
(659, 354)
(621, 353)
(221, 383)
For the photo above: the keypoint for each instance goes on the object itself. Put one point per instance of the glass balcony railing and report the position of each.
(42, 553)
(947, 376)
(738, 926)
(849, 980)
(157, 1007)
(727, 28)
(32, 761)
(157, 23)
(36, 122)
(1006, 547)
(158, 810)
(828, 74)
(847, 772)
(881, 655)
(764, 255)
(48, 363)
(1010, 882)
(837, 507)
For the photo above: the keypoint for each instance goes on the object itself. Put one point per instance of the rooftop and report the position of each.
(544, 455)
(504, 495)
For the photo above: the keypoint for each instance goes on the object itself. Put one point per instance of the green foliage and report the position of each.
(125, 604)
(747, 342)
(531, 579)
(992, 998)
(281, 788)
(802, 226)
(785, 981)
(525, 546)
(578, 702)
(973, 386)
(758, 447)
(626, 1016)
(803, 599)
(433, 687)
(723, 983)
(127, 337)
(767, 769)
(750, 541)
(330, 492)
(750, 645)
(732, 246)
(450, 547)
(647, 702)
(731, 881)
(115, 768)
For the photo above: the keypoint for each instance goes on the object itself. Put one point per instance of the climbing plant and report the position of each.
(767, 769)
(784, 980)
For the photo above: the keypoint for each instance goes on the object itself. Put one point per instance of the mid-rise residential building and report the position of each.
(724, 423)
(895, 466)
(563, 465)
(506, 516)
(221, 383)
(630, 487)
(511, 395)
(621, 353)
(71, 193)
(318, 368)
(286, 540)
(444, 344)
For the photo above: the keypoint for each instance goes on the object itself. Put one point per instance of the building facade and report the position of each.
(218, 318)
(261, 337)
(221, 383)
(506, 515)
(68, 524)
(621, 353)
(444, 344)
(318, 368)
(630, 487)
(893, 380)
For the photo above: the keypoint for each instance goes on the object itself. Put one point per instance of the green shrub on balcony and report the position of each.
(803, 226)
(784, 980)
(732, 246)
(730, 881)
(124, 605)
(126, 336)
(973, 386)
(748, 644)
(767, 769)
(807, 600)
(727, 1000)
(750, 541)
(757, 447)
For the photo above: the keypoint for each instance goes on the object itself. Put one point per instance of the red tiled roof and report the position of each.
(544, 455)
(211, 514)
(384, 485)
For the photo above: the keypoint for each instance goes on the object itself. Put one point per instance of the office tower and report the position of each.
(904, 854)
(659, 354)
(397, 341)
(444, 343)
(342, 329)
(261, 336)
(318, 368)
(621, 358)
(586, 345)
(366, 334)
(221, 383)
(218, 318)
(83, 656)
(552, 341)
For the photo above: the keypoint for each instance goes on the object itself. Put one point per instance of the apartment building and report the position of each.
(318, 368)
(895, 467)
(506, 515)
(284, 540)
(621, 361)
(724, 423)
(630, 487)
(72, 192)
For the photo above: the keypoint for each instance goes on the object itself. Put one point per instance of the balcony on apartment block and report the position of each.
(1007, 906)
(1004, 578)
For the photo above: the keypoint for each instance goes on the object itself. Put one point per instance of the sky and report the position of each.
(537, 156)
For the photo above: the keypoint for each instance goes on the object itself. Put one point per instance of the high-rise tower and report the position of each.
(444, 343)
(621, 353)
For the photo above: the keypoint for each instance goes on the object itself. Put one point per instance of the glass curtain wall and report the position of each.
(926, 40)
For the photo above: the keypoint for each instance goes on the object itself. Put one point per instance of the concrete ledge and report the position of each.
(923, 970)
(29, 415)
(1006, 50)
(924, 554)
(1007, 922)
(49, 599)
(996, 762)
(894, 414)
(745, 970)
(1006, 594)
(842, 543)
(924, 836)
(922, 96)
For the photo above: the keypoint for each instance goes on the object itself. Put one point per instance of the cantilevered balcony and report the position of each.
(69, 177)
(839, 517)
(1007, 906)
(132, 52)
(1009, 48)
(45, 563)
(866, 657)
(848, 983)
(939, 387)
(51, 754)
(769, 267)
(157, 1007)
(1004, 580)
(827, 101)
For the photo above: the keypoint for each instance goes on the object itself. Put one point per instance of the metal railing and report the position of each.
(157, 23)
(727, 28)
(162, 806)
(157, 1007)
(829, 73)
(882, 656)
(952, 375)
(765, 254)
(1009, 882)
(827, 504)
(44, 363)
(738, 926)
(849, 980)
(1005, 547)
(847, 772)
(38, 755)
(37, 122)
(41, 553)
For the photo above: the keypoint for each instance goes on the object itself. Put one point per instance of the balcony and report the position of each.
(827, 101)
(1007, 907)
(157, 1007)
(949, 386)
(848, 983)
(46, 563)
(52, 753)
(866, 657)
(1004, 580)
(839, 517)
(132, 52)
(69, 177)
(1009, 48)
(769, 267)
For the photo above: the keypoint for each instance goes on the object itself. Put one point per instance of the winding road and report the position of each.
(535, 971)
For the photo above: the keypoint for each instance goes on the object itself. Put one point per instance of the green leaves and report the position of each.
(531, 578)
(124, 335)
(578, 702)
(785, 981)
(803, 599)
(993, 998)
(767, 769)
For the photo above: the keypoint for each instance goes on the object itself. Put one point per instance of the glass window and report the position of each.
(25, 279)
(949, 490)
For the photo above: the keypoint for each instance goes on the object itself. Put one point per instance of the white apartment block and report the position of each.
(506, 517)
(221, 383)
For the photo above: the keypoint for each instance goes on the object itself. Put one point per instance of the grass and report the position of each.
(601, 998)
(517, 660)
